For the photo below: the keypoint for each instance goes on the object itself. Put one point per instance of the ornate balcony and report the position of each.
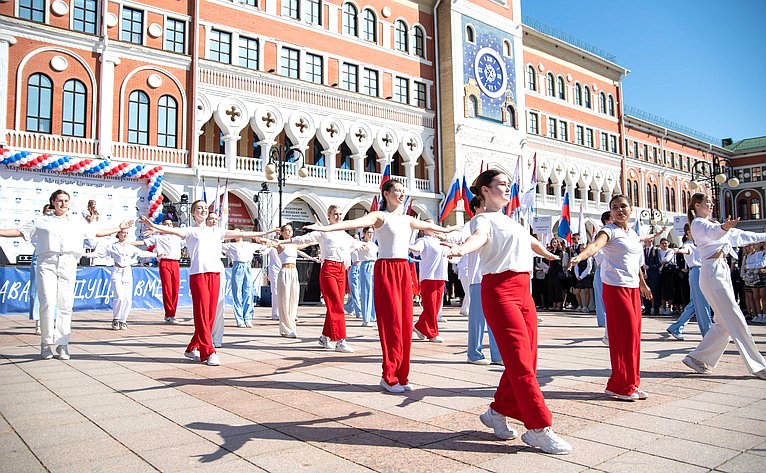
(66, 145)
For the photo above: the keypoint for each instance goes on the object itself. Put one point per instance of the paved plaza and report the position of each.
(129, 401)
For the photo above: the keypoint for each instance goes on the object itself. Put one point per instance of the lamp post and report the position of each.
(714, 174)
(276, 169)
(654, 216)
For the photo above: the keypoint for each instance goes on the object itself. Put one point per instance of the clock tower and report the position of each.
(481, 101)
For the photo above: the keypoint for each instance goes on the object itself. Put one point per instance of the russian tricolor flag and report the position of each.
(454, 195)
(466, 196)
(565, 224)
(375, 204)
(515, 202)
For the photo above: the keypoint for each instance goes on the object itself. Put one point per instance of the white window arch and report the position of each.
(401, 41)
(418, 41)
(350, 19)
(74, 109)
(138, 118)
(369, 26)
(551, 85)
(470, 35)
(561, 88)
(531, 78)
(39, 103)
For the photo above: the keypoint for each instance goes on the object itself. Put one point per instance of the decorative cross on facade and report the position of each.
(387, 140)
(361, 135)
(269, 119)
(332, 130)
(302, 124)
(233, 113)
(544, 167)
(412, 144)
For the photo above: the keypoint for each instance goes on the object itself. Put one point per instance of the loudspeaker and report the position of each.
(21, 260)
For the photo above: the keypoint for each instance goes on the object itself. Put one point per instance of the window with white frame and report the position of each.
(167, 122)
(602, 102)
(531, 78)
(552, 128)
(313, 13)
(589, 137)
(74, 108)
(470, 36)
(613, 143)
(604, 141)
(33, 10)
(420, 94)
(610, 106)
(250, 3)
(561, 89)
(579, 138)
(586, 97)
(248, 52)
(551, 85)
(507, 48)
(314, 68)
(419, 43)
(220, 46)
(175, 35)
(578, 95)
(85, 16)
(132, 29)
(400, 36)
(370, 82)
(349, 77)
(39, 103)
(402, 90)
(290, 8)
(138, 118)
(350, 17)
(563, 131)
(369, 26)
(288, 63)
(534, 123)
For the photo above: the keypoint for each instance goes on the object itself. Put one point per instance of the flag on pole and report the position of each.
(515, 202)
(637, 227)
(528, 197)
(581, 229)
(466, 196)
(204, 190)
(216, 202)
(565, 224)
(407, 205)
(454, 195)
(376, 201)
(223, 210)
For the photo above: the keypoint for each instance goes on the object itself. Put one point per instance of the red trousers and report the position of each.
(510, 312)
(415, 280)
(623, 323)
(171, 280)
(332, 282)
(392, 290)
(204, 289)
(431, 293)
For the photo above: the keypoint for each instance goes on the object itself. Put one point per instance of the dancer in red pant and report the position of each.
(335, 252)
(506, 251)
(623, 283)
(392, 286)
(433, 275)
(168, 247)
(204, 245)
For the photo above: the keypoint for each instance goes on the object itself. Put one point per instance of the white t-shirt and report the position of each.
(241, 251)
(692, 260)
(509, 245)
(204, 245)
(394, 236)
(369, 254)
(65, 234)
(710, 237)
(433, 263)
(623, 257)
(756, 260)
(169, 246)
(289, 255)
(333, 246)
(122, 255)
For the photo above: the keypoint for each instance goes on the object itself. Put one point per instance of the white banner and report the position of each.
(678, 225)
(542, 225)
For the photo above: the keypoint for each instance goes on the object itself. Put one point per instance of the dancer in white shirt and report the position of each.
(433, 275)
(240, 253)
(204, 244)
(506, 251)
(124, 256)
(392, 283)
(60, 240)
(714, 242)
(169, 248)
(34, 303)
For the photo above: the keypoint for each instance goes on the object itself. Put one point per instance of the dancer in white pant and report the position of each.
(714, 241)
(60, 241)
(124, 256)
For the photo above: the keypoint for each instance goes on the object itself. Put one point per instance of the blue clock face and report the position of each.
(489, 69)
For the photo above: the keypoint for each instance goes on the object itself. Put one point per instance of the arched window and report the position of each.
(290, 8)
(749, 207)
(531, 78)
(611, 106)
(350, 17)
(507, 48)
(420, 42)
(74, 109)
(561, 88)
(549, 188)
(512, 117)
(167, 122)
(551, 85)
(629, 189)
(654, 197)
(586, 97)
(635, 192)
(602, 102)
(742, 211)
(473, 106)
(469, 34)
(138, 118)
(683, 201)
(313, 13)
(648, 195)
(672, 200)
(400, 36)
(39, 103)
(369, 26)
(578, 94)
(370, 160)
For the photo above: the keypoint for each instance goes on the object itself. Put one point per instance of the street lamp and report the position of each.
(714, 174)
(276, 169)
(654, 216)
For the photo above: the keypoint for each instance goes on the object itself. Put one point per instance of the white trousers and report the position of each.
(466, 283)
(122, 288)
(715, 282)
(55, 277)
(217, 331)
(273, 280)
(287, 288)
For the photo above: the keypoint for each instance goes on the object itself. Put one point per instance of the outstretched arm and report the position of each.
(541, 250)
(472, 243)
(179, 232)
(371, 219)
(416, 224)
(11, 233)
(124, 225)
(590, 250)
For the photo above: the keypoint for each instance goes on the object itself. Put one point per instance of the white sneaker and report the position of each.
(623, 397)
(249, 324)
(442, 319)
(497, 422)
(420, 335)
(547, 441)
(760, 374)
(115, 324)
(45, 352)
(290, 335)
(325, 342)
(407, 387)
(578, 309)
(396, 388)
(213, 360)
(63, 352)
(642, 395)
(436, 339)
(480, 361)
(192, 355)
(274, 317)
(605, 340)
(37, 327)
(171, 321)
(343, 347)
(696, 365)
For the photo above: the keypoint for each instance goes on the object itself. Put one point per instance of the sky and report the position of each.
(699, 63)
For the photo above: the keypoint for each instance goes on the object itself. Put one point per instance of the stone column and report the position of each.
(359, 167)
(6, 41)
(409, 171)
(106, 103)
(329, 163)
